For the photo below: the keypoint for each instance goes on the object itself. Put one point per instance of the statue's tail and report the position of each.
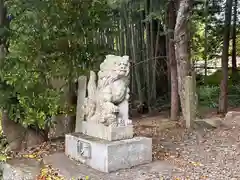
(92, 86)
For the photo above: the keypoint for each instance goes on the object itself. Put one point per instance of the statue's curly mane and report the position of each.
(108, 74)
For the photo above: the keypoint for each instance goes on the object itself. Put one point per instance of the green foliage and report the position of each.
(63, 39)
(210, 20)
(208, 96)
(215, 78)
(49, 39)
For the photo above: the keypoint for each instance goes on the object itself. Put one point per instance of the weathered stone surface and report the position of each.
(21, 169)
(81, 95)
(70, 170)
(107, 132)
(108, 156)
(232, 119)
(209, 122)
(108, 93)
(129, 153)
(232, 115)
(189, 113)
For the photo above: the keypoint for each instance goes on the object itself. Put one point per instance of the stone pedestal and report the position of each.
(106, 132)
(108, 156)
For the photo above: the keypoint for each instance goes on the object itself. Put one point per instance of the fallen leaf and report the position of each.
(3, 158)
(196, 164)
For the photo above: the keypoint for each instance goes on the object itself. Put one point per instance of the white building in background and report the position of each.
(213, 65)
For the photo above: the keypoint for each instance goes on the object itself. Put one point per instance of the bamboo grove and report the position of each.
(55, 39)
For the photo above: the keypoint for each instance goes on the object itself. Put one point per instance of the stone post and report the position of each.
(81, 95)
(190, 100)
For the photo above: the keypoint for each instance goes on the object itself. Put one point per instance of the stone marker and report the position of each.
(82, 81)
(213, 122)
(232, 115)
(106, 141)
(190, 101)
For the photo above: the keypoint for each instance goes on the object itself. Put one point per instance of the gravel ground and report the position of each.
(211, 154)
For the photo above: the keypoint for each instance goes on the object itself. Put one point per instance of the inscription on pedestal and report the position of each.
(84, 149)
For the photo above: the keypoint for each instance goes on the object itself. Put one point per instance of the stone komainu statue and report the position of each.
(107, 100)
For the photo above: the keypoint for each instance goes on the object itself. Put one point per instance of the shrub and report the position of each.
(215, 78)
(208, 96)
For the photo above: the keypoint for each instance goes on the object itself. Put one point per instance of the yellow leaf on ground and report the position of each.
(44, 171)
(58, 178)
(3, 158)
(31, 156)
(196, 164)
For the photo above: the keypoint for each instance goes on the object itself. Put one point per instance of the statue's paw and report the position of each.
(115, 110)
(128, 122)
(121, 122)
(113, 125)
(127, 97)
(102, 120)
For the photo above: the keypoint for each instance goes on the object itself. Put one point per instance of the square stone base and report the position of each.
(107, 133)
(108, 156)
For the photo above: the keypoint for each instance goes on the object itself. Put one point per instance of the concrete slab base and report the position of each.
(21, 169)
(108, 156)
(71, 170)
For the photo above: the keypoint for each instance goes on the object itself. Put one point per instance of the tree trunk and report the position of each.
(160, 53)
(153, 49)
(3, 23)
(234, 58)
(205, 40)
(182, 48)
(148, 55)
(69, 121)
(171, 21)
(135, 68)
(223, 102)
